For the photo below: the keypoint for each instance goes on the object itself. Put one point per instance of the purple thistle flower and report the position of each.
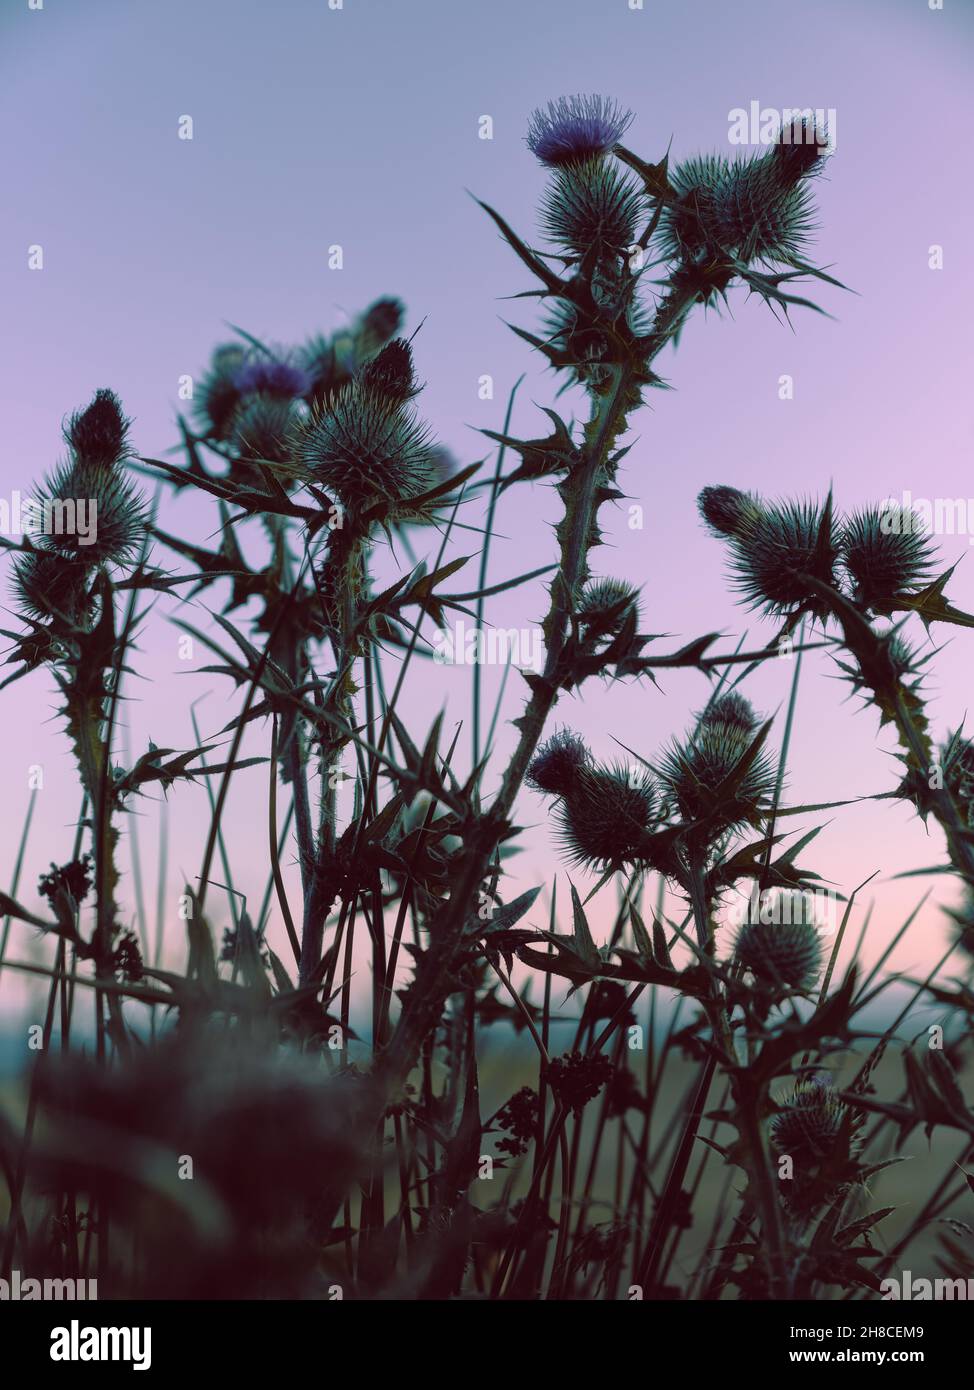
(573, 129)
(272, 378)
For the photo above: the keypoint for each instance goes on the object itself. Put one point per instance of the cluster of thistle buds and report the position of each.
(609, 816)
(53, 582)
(336, 415)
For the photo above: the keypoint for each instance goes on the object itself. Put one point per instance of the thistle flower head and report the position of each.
(749, 210)
(781, 545)
(271, 378)
(786, 952)
(808, 1123)
(218, 394)
(605, 604)
(47, 585)
(594, 205)
(726, 510)
(361, 445)
(801, 148)
(262, 427)
(390, 373)
(885, 550)
(574, 129)
(731, 709)
(91, 512)
(695, 772)
(558, 762)
(99, 433)
(380, 322)
(605, 814)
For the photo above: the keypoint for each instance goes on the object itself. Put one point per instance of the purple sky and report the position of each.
(360, 127)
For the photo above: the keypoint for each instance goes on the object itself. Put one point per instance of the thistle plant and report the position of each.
(325, 473)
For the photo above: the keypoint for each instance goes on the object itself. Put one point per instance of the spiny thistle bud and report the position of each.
(390, 373)
(749, 209)
(574, 129)
(380, 322)
(557, 763)
(885, 551)
(727, 511)
(48, 585)
(219, 395)
(605, 814)
(99, 433)
(694, 771)
(270, 378)
(362, 446)
(91, 512)
(604, 605)
(784, 543)
(800, 149)
(732, 709)
(262, 427)
(808, 1124)
(592, 206)
(784, 953)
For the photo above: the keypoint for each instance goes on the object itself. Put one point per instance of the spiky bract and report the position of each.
(731, 709)
(361, 446)
(808, 1123)
(782, 954)
(604, 605)
(91, 511)
(784, 543)
(48, 585)
(592, 206)
(558, 762)
(263, 426)
(886, 551)
(695, 773)
(749, 210)
(605, 815)
(727, 511)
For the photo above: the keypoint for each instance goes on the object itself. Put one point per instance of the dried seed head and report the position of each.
(360, 445)
(605, 815)
(558, 762)
(782, 954)
(784, 543)
(99, 433)
(885, 551)
(728, 511)
(748, 210)
(574, 129)
(592, 206)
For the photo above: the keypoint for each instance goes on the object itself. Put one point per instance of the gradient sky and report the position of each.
(360, 127)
